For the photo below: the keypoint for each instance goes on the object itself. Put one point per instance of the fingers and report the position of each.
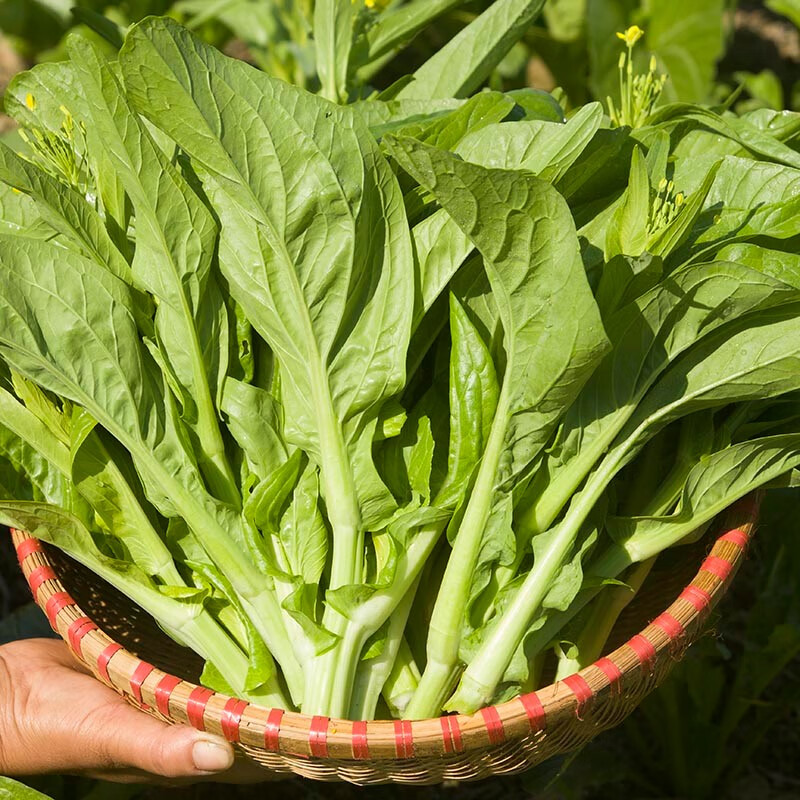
(127, 739)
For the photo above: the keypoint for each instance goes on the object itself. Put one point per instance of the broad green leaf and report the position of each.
(624, 279)
(464, 63)
(71, 329)
(67, 211)
(544, 148)
(99, 479)
(175, 237)
(746, 199)
(303, 533)
(399, 25)
(480, 112)
(784, 266)
(547, 149)
(474, 392)
(386, 116)
(688, 38)
(39, 98)
(18, 214)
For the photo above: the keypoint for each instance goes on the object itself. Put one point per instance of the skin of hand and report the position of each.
(56, 718)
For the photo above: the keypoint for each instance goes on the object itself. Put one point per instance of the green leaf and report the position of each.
(175, 237)
(547, 149)
(301, 604)
(254, 419)
(303, 532)
(627, 233)
(464, 63)
(480, 112)
(71, 329)
(525, 234)
(474, 393)
(747, 198)
(333, 24)
(397, 26)
(646, 337)
(715, 483)
(688, 39)
(782, 266)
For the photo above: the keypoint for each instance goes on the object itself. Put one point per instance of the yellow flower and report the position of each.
(30, 101)
(631, 35)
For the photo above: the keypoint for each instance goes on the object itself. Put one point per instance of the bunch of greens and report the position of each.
(376, 406)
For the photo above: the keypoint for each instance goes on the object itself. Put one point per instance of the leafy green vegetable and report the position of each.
(370, 400)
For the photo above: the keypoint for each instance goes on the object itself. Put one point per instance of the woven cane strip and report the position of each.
(497, 740)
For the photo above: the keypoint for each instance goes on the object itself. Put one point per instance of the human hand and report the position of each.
(56, 718)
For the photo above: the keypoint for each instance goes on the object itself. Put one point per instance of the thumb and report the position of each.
(179, 751)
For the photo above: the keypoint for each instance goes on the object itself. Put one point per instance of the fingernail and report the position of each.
(211, 756)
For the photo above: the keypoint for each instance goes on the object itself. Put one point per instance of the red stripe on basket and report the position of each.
(105, 657)
(737, 537)
(698, 597)
(196, 706)
(360, 743)
(55, 605)
(494, 725)
(671, 626)
(318, 737)
(451, 733)
(403, 738)
(26, 547)
(272, 729)
(578, 686)
(140, 674)
(447, 737)
(720, 567)
(77, 630)
(38, 577)
(231, 718)
(609, 669)
(643, 647)
(534, 709)
(164, 691)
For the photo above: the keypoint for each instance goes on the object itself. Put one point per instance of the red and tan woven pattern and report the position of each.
(499, 739)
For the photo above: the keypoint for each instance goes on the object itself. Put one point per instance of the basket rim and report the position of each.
(295, 735)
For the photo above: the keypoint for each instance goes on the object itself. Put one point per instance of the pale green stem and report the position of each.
(444, 636)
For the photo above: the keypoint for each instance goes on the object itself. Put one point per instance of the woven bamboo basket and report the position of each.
(125, 649)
